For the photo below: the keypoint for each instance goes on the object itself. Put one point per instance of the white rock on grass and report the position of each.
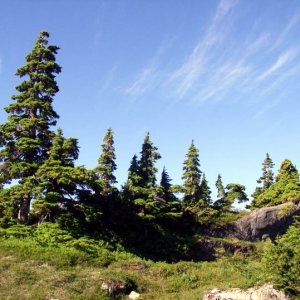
(265, 292)
(133, 295)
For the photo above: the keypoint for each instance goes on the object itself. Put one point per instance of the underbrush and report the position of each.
(33, 267)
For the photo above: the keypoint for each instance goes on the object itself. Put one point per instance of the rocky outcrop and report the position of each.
(266, 292)
(210, 249)
(266, 222)
(258, 225)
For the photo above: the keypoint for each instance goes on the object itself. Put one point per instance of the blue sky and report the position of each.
(225, 73)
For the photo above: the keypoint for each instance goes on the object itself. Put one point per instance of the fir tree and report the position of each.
(129, 189)
(191, 176)
(234, 192)
(220, 187)
(26, 137)
(133, 177)
(205, 192)
(106, 163)
(287, 171)
(64, 188)
(285, 188)
(166, 185)
(227, 195)
(147, 169)
(267, 177)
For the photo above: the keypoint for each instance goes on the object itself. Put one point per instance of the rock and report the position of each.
(266, 222)
(209, 249)
(113, 287)
(133, 295)
(266, 292)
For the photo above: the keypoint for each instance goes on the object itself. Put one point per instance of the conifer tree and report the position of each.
(191, 176)
(26, 137)
(133, 171)
(205, 192)
(285, 188)
(227, 195)
(129, 189)
(63, 188)
(267, 177)
(220, 187)
(56, 177)
(147, 169)
(287, 171)
(106, 163)
(166, 185)
(234, 192)
(140, 187)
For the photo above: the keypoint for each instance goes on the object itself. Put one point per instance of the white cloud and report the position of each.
(295, 19)
(189, 73)
(109, 78)
(149, 76)
(280, 62)
(143, 82)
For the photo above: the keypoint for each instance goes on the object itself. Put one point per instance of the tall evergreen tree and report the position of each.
(147, 169)
(166, 185)
(26, 137)
(205, 192)
(220, 187)
(191, 175)
(106, 163)
(267, 177)
(129, 189)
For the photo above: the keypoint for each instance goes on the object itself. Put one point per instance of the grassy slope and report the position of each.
(29, 270)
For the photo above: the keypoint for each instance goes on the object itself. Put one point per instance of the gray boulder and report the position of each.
(266, 222)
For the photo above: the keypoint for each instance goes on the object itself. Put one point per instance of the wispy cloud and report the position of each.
(188, 74)
(99, 21)
(149, 76)
(295, 19)
(280, 62)
(227, 63)
(143, 82)
(222, 65)
(225, 77)
(109, 78)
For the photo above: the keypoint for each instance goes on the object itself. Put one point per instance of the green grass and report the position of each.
(30, 270)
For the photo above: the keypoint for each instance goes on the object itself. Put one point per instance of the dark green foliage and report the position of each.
(26, 137)
(133, 177)
(106, 164)
(286, 187)
(140, 187)
(231, 193)
(60, 185)
(130, 187)
(282, 260)
(78, 218)
(267, 177)
(166, 185)
(146, 164)
(220, 187)
(236, 191)
(191, 176)
(205, 192)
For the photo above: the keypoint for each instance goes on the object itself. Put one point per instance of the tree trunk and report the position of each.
(23, 215)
